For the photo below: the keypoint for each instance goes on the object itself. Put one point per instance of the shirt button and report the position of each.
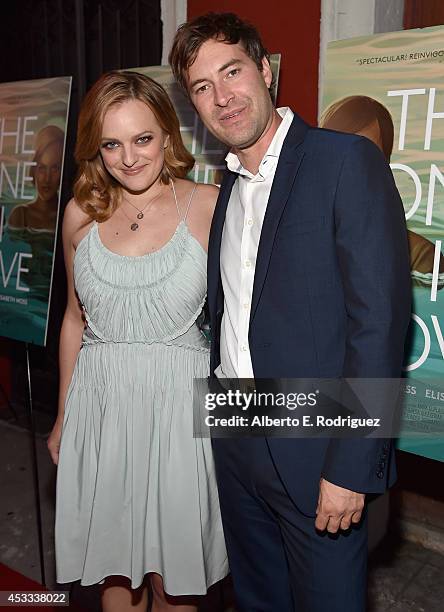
(246, 305)
(247, 263)
(250, 222)
(243, 348)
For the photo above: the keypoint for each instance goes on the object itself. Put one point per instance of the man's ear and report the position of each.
(266, 71)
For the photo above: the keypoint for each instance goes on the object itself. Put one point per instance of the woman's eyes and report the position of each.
(109, 145)
(144, 139)
(113, 145)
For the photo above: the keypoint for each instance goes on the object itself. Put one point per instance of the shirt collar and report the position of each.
(273, 151)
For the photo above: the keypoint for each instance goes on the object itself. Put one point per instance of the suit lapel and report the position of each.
(289, 162)
(215, 298)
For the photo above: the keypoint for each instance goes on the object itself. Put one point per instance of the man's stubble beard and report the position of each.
(251, 133)
(242, 138)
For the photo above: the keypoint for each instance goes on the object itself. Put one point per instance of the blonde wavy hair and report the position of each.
(96, 192)
(355, 113)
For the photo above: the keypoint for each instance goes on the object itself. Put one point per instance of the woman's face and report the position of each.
(132, 145)
(47, 172)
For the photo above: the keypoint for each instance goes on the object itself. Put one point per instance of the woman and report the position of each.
(136, 494)
(41, 214)
(34, 223)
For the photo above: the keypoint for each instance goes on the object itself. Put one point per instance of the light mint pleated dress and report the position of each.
(136, 493)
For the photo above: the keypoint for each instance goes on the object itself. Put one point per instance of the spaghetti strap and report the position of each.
(184, 218)
(189, 202)
(175, 199)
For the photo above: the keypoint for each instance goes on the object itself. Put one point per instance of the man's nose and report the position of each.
(129, 156)
(222, 94)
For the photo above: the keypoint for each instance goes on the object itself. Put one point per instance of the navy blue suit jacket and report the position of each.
(331, 294)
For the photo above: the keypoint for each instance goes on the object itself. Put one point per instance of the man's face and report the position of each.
(230, 93)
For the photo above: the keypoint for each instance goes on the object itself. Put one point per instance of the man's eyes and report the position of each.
(201, 89)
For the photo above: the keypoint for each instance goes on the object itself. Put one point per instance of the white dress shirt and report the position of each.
(240, 240)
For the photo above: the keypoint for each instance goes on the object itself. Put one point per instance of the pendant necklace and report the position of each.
(135, 226)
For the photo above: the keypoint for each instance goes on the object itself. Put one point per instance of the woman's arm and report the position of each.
(73, 322)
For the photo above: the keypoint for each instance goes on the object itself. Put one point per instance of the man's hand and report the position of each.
(337, 507)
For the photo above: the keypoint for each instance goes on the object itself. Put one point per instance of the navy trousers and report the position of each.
(279, 562)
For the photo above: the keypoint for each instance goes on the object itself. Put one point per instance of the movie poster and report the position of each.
(208, 152)
(390, 88)
(33, 118)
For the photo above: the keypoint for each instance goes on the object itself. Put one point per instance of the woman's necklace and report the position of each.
(134, 225)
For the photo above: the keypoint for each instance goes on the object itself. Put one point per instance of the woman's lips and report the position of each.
(132, 171)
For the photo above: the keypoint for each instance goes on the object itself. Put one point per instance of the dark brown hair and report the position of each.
(95, 190)
(224, 27)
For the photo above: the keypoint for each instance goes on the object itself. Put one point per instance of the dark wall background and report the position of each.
(81, 38)
(423, 13)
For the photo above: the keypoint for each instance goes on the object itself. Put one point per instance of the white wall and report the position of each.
(173, 14)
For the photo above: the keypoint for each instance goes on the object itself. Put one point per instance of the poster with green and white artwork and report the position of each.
(390, 88)
(33, 118)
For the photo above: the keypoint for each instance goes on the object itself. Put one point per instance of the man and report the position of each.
(308, 276)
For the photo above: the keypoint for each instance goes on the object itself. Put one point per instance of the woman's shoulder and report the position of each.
(203, 195)
(207, 190)
(203, 189)
(207, 195)
(73, 214)
(17, 218)
(76, 223)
